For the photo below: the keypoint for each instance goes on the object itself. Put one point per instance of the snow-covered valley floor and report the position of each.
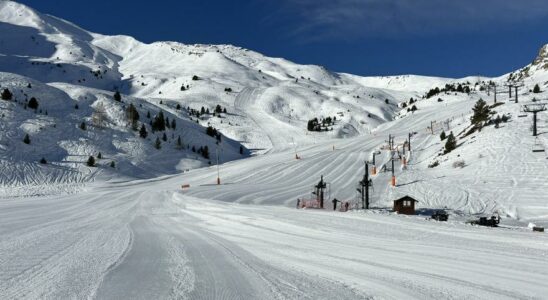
(244, 240)
(147, 240)
(120, 226)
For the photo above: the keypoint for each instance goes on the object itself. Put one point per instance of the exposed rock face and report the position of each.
(542, 59)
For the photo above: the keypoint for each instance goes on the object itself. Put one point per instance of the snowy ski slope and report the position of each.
(68, 231)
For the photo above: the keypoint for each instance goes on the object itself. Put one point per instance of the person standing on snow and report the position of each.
(335, 203)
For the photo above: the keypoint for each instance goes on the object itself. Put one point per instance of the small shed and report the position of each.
(405, 205)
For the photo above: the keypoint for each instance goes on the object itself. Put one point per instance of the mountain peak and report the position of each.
(542, 58)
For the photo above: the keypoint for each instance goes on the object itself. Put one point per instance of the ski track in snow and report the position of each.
(145, 239)
(72, 232)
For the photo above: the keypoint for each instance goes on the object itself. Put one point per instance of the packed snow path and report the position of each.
(144, 241)
(149, 239)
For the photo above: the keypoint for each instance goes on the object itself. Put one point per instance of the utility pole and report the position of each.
(409, 143)
(393, 181)
(374, 170)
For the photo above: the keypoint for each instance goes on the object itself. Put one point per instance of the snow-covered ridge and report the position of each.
(129, 230)
(43, 57)
(268, 100)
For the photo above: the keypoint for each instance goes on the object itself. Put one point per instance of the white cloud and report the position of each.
(359, 18)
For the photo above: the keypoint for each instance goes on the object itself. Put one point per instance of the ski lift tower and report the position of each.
(496, 92)
(534, 108)
(510, 85)
(365, 183)
(320, 191)
(516, 86)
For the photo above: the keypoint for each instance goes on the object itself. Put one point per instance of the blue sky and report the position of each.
(365, 37)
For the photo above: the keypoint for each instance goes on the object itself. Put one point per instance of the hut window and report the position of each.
(407, 203)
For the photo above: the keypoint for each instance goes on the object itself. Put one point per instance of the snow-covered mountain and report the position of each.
(269, 102)
(126, 229)
(74, 73)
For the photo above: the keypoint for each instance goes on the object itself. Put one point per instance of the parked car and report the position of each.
(440, 215)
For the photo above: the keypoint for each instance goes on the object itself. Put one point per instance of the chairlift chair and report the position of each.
(538, 146)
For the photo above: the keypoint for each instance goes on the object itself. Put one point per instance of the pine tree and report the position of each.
(164, 137)
(211, 131)
(224, 110)
(481, 113)
(132, 116)
(173, 124)
(179, 142)
(178, 106)
(117, 96)
(451, 143)
(218, 109)
(148, 114)
(43, 160)
(112, 164)
(76, 106)
(202, 110)
(536, 89)
(241, 150)
(33, 103)
(26, 139)
(205, 152)
(99, 156)
(6, 95)
(143, 132)
(442, 135)
(29, 86)
(158, 144)
(91, 161)
(83, 126)
(159, 123)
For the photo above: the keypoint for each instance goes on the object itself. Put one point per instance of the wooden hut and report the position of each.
(405, 205)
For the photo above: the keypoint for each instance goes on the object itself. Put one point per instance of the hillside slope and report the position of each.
(266, 105)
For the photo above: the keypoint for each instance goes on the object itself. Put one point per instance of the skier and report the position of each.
(346, 206)
(335, 203)
(298, 203)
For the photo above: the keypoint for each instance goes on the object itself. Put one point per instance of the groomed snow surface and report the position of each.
(69, 231)
(150, 239)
